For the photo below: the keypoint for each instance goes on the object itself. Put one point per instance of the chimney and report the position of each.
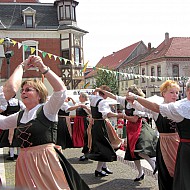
(166, 38)
(149, 47)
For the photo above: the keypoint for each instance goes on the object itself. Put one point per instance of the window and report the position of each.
(60, 12)
(152, 74)
(175, 70)
(158, 73)
(27, 52)
(73, 13)
(29, 21)
(143, 73)
(67, 12)
(65, 54)
(77, 55)
(30, 47)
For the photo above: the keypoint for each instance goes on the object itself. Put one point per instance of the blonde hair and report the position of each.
(39, 86)
(136, 90)
(167, 85)
(84, 95)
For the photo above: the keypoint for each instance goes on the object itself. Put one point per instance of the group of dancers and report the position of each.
(43, 129)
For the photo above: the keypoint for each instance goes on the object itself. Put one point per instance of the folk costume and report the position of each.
(101, 149)
(64, 130)
(40, 164)
(179, 113)
(80, 137)
(141, 138)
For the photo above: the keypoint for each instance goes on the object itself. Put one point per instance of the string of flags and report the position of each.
(131, 76)
(44, 54)
(127, 76)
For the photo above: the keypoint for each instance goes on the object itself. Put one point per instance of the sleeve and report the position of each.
(104, 108)
(8, 122)
(169, 111)
(121, 100)
(65, 107)
(55, 102)
(22, 106)
(3, 101)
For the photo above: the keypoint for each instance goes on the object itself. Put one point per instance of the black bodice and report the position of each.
(11, 109)
(184, 129)
(81, 111)
(37, 131)
(63, 113)
(94, 111)
(165, 125)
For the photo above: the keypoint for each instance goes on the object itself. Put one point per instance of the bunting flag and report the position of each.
(129, 76)
(1, 41)
(85, 66)
(86, 85)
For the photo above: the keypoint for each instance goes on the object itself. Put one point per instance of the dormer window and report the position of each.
(29, 17)
(29, 21)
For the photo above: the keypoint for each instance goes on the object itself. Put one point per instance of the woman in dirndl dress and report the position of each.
(40, 165)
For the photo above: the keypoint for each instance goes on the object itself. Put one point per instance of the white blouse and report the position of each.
(176, 111)
(103, 105)
(3, 101)
(139, 112)
(50, 108)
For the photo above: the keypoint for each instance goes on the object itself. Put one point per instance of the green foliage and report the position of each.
(104, 77)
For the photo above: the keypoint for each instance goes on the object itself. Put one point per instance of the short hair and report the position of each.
(84, 95)
(167, 85)
(188, 84)
(136, 90)
(39, 86)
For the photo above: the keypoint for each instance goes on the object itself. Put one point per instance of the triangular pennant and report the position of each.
(44, 54)
(19, 45)
(14, 42)
(1, 40)
(32, 50)
(49, 55)
(25, 47)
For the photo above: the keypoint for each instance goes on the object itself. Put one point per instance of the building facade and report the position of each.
(46, 29)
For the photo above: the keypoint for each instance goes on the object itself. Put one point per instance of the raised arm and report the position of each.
(53, 79)
(108, 94)
(12, 85)
(144, 102)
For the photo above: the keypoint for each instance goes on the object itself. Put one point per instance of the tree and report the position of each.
(105, 77)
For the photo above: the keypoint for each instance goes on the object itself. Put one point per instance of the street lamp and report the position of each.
(8, 53)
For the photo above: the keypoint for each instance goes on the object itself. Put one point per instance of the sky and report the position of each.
(116, 24)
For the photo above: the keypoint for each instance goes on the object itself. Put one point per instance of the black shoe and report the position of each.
(10, 158)
(15, 156)
(83, 158)
(100, 174)
(139, 178)
(107, 170)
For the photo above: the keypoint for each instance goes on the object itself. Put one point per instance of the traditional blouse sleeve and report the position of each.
(169, 111)
(65, 107)
(52, 107)
(121, 100)
(104, 108)
(3, 101)
(8, 122)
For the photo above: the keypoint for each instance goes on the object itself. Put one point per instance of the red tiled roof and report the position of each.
(176, 47)
(91, 74)
(114, 60)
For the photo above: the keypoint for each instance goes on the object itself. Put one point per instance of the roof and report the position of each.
(46, 17)
(114, 60)
(176, 47)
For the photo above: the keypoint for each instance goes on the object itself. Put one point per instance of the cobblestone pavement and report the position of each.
(121, 179)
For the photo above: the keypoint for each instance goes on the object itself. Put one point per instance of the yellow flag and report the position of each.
(85, 66)
(1, 40)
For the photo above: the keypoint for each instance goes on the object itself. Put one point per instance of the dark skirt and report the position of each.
(165, 181)
(4, 141)
(145, 144)
(73, 178)
(63, 137)
(101, 148)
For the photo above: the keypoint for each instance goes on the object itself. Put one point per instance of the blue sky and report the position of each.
(116, 24)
